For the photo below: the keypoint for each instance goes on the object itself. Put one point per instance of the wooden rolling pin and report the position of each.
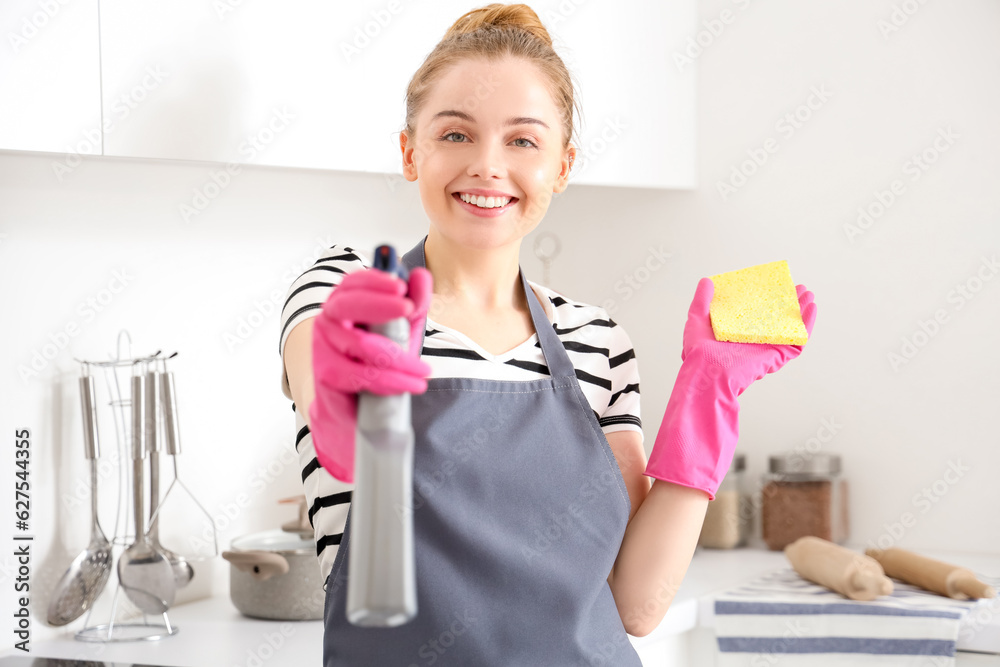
(852, 574)
(938, 577)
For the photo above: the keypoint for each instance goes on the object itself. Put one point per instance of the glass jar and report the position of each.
(803, 494)
(727, 524)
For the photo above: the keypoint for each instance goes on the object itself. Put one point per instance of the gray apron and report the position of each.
(519, 510)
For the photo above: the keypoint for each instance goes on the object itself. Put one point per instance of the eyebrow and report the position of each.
(519, 120)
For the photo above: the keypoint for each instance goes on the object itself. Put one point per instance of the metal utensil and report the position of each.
(183, 571)
(171, 427)
(89, 572)
(145, 574)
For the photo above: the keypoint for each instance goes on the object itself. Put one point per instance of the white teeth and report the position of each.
(485, 202)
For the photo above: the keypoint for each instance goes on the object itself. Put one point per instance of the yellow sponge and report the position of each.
(757, 305)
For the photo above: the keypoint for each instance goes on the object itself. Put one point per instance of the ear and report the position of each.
(409, 165)
(567, 162)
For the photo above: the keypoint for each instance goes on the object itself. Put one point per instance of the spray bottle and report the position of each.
(381, 591)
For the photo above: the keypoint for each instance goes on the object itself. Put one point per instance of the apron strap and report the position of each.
(552, 348)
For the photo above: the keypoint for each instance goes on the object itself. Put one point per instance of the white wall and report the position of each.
(899, 430)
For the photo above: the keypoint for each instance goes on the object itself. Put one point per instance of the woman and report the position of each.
(538, 539)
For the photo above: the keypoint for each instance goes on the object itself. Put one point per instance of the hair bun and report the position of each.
(501, 16)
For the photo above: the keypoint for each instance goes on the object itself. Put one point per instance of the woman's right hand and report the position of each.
(347, 359)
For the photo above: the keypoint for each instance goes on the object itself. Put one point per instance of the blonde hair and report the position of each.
(492, 33)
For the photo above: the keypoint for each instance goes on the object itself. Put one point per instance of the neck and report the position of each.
(483, 279)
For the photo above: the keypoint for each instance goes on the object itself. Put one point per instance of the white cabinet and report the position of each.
(247, 82)
(320, 84)
(310, 83)
(50, 82)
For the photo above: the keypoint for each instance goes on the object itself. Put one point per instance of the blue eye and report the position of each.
(531, 144)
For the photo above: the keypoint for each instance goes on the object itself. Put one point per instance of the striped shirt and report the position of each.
(598, 347)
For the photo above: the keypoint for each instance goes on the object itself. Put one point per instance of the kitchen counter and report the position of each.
(732, 567)
(211, 633)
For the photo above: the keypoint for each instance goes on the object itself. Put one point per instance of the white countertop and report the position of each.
(212, 633)
(713, 571)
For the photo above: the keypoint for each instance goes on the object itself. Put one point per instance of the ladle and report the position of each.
(89, 572)
(145, 574)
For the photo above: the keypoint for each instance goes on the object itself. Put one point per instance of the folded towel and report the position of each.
(783, 619)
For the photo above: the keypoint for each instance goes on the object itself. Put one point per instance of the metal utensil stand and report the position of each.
(121, 403)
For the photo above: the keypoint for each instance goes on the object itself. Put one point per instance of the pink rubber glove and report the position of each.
(347, 359)
(697, 437)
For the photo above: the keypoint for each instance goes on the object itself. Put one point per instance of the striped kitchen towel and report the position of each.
(783, 619)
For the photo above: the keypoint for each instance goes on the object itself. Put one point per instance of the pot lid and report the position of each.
(792, 463)
(277, 540)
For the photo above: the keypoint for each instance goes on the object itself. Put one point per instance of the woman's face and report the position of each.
(487, 126)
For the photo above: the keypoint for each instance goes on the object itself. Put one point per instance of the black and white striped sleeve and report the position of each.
(622, 413)
(307, 293)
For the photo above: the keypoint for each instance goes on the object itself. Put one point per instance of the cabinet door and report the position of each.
(222, 81)
(320, 84)
(50, 77)
(638, 104)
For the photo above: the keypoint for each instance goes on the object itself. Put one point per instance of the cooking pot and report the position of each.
(275, 574)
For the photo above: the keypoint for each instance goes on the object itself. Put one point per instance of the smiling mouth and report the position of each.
(483, 210)
(511, 201)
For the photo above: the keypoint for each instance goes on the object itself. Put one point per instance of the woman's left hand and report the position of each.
(697, 437)
(742, 363)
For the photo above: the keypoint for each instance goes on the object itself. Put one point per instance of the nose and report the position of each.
(488, 161)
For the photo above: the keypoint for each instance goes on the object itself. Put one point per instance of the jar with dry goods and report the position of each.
(727, 520)
(803, 494)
